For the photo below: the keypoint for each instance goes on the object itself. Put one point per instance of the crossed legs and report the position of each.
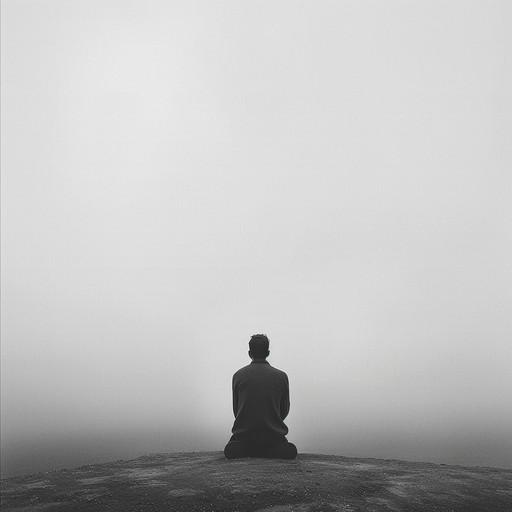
(241, 449)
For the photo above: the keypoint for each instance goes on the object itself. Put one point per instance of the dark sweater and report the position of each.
(261, 401)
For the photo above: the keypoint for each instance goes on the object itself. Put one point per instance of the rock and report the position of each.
(206, 481)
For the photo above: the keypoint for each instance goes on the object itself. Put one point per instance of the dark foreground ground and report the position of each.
(206, 481)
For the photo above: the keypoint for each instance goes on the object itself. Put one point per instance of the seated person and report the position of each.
(261, 401)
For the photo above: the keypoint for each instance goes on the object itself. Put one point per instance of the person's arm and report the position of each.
(235, 397)
(285, 400)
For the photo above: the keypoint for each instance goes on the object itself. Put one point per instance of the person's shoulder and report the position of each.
(241, 371)
(279, 372)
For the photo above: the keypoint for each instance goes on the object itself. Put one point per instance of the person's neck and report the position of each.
(259, 359)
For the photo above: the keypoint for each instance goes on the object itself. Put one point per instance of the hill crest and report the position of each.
(204, 481)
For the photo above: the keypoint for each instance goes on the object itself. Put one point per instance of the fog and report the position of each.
(177, 176)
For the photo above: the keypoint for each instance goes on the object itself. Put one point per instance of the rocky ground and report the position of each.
(206, 481)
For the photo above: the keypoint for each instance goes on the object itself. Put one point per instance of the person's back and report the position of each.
(261, 402)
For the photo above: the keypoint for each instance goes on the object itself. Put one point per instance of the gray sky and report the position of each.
(177, 176)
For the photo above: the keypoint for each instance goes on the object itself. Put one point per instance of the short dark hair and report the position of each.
(258, 345)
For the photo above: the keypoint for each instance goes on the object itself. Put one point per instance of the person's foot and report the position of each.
(284, 451)
(236, 450)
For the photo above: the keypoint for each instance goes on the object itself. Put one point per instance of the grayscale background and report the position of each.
(178, 175)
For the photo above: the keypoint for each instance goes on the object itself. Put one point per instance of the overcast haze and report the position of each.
(177, 176)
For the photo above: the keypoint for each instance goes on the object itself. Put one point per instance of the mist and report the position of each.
(177, 176)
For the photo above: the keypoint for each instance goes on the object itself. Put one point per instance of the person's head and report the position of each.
(258, 346)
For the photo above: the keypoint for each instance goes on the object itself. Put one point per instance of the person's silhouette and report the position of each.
(261, 402)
